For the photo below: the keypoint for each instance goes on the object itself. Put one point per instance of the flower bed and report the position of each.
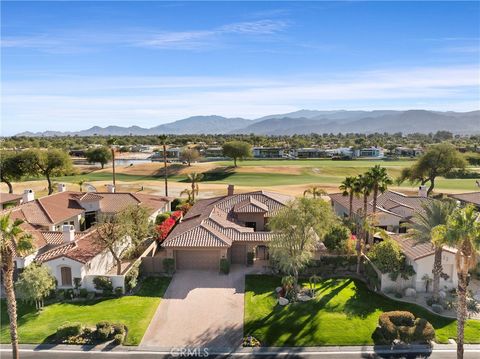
(166, 226)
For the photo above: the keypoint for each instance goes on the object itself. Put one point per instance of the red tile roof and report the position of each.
(471, 197)
(210, 222)
(9, 197)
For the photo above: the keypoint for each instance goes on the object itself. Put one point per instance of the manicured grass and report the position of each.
(344, 312)
(134, 311)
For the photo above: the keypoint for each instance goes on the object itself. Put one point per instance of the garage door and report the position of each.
(196, 259)
(239, 254)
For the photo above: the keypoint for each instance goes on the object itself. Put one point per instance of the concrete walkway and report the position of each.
(200, 309)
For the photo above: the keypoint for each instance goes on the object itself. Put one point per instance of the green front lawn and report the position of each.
(345, 312)
(134, 311)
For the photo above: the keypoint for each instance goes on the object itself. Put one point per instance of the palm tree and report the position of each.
(189, 194)
(350, 188)
(379, 181)
(12, 241)
(194, 178)
(315, 191)
(80, 183)
(112, 141)
(434, 213)
(462, 231)
(163, 142)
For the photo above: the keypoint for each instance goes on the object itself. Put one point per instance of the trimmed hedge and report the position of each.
(224, 266)
(403, 326)
(68, 330)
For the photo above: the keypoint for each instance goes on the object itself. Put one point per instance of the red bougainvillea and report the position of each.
(166, 226)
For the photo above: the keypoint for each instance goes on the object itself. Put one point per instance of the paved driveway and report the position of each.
(200, 309)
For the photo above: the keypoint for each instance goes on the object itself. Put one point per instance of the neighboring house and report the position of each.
(393, 208)
(226, 227)
(421, 257)
(309, 153)
(62, 232)
(369, 152)
(408, 152)
(8, 200)
(268, 152)
(468, 198)
(213, 152)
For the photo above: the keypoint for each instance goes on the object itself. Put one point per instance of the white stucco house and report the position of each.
(421, 257)
(64, 234)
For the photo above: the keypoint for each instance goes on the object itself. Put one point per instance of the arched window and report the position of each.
(66, 273)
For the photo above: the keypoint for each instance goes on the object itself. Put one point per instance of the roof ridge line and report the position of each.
(44, 210)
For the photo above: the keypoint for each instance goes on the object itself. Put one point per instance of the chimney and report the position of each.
(110, 188)
(62, 187)
(68, 233)
(230, 190)
(422, 191)
(28, 196)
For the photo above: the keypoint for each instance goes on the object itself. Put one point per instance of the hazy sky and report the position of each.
(72, 65)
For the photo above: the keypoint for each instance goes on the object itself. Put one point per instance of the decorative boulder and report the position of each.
(437, 308)
(477, 296)
(282, 301)
(278, 289)
(442, 294)
(410, 292)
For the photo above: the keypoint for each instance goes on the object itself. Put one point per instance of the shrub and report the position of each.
(387, 256)
(60, 294)
(337, 238)
(224, 266)
(104, 284)
(68, 330)
(401, 325)
(118, 339)
(162, 217)
(131, 279)
(90, 295)
(104, 330)
(169, 265)
(118, 291)
(119, 328)
(69, 294)
(250, 257)
(177, 203)
(83, 293)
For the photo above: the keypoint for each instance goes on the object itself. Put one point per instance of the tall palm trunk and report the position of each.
(437, 271)
(165, 173)
(113, 166)
(193, 191)
(7, 270)
(375, 195)
(350, 208)
(461, 310)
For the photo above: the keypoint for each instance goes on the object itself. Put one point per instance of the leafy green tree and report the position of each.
(138, 226)
(12, 240)
(298, 228)
(350, 187)
(111, 233)
(14, 166)
(315, 191)
(336, 239)
(35, 283)
(237, 150)
(380, 180)
(52, 162)
(439, 160)
(462, 232)
(387, 256)
(100, 155)
(189, 155)
(434, 213)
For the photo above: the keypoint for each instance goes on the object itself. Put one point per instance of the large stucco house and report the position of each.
(224, 227)
(393, 208)
(421, 257)
(63, 231)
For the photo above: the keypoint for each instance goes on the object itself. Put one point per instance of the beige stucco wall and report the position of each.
(78, 269)
(424, 266)
(258, 218)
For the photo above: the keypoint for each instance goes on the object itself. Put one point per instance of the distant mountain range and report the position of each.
(301, 122)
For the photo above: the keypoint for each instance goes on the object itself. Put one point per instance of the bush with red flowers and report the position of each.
(166, 226)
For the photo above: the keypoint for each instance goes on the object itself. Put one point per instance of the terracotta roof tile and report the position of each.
(414, 250)
(471, 197)
(9, 197)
